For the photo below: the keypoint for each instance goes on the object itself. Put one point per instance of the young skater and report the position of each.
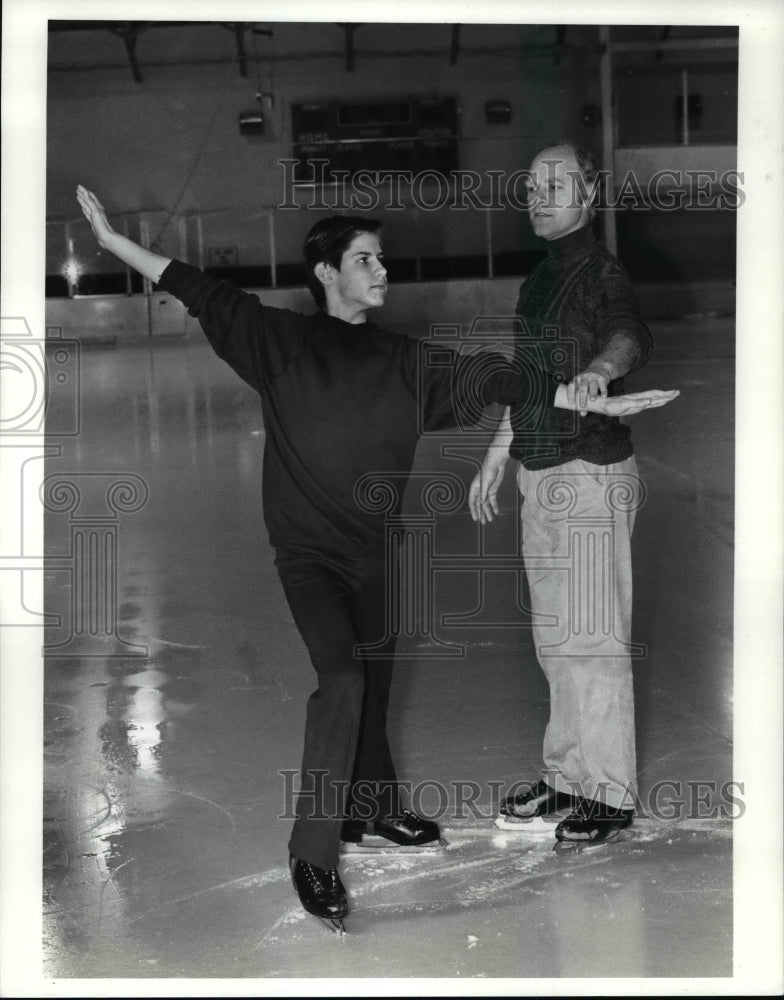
(340, 398)
(580, 493)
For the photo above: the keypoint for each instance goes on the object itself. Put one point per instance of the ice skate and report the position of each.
(321, 893)
(534, 809)
(592, 824)
(409, 834)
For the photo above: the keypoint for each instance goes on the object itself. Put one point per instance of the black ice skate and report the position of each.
(591, 824)
(529, 809)
(321, 893)
(410, 834)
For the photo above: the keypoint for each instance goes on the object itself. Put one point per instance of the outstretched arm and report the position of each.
(615, 406)
(151, 265)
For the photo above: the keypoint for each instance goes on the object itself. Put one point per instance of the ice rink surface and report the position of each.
(164, 853)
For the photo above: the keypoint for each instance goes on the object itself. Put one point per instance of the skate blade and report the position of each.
(578, 846)
(536, 824)
(370, 844)
(335, 925)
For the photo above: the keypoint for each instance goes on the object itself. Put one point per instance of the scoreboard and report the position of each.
(410, 135)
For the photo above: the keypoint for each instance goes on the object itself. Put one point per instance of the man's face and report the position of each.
(362, 278)
(556, 206)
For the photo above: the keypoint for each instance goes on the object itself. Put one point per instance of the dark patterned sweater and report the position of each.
(574, 304)
(340, 401)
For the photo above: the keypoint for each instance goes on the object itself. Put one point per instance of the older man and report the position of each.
(580, 491)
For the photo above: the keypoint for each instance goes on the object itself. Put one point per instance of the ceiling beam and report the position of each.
(349, 27)
(665, 34)
(238, 29)
(129, 33)
(560, 41)
(454, 48)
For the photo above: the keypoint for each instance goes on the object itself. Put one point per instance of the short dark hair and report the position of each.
(327, 241)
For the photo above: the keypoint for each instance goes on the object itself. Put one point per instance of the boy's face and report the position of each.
(556, 206)
(362, 278)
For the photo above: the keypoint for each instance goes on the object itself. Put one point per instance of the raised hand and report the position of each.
(95, 214)
(151, 265)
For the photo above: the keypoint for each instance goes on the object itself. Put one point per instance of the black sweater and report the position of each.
(573, 304)
(339, 401)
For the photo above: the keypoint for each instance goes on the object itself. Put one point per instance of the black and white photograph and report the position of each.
(391, 497)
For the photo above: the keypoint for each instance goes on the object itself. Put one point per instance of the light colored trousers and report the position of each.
(577, 521)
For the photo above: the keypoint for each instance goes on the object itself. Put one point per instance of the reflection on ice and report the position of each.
(164, 851)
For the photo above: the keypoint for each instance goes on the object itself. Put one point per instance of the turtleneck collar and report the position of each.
(339, 323)
(574, 243)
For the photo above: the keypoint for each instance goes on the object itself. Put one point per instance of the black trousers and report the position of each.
(347, 769)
